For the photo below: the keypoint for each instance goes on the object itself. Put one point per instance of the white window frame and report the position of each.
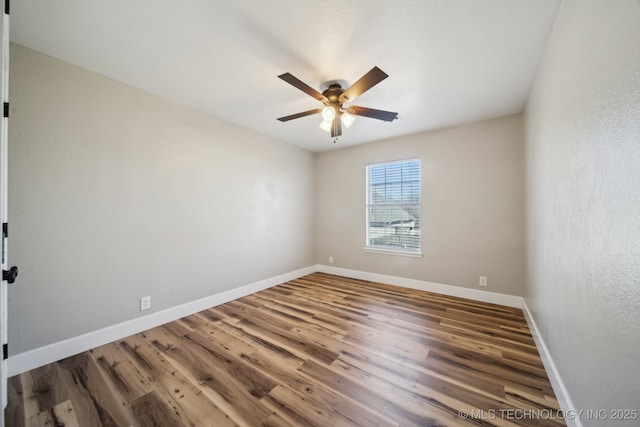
(392, 250)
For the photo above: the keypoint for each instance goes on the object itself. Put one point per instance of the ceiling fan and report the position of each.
(334, 113)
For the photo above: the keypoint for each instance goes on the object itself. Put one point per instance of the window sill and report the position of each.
(397, 252)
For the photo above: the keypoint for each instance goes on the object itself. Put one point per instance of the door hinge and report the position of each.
(5, 234)
(6, 6)
(5, 351)
(6, 109)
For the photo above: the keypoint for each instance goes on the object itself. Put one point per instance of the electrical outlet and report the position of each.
(330, 260)
(145, 303)
(483, 281)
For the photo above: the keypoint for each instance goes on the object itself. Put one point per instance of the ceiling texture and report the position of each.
(449, 62)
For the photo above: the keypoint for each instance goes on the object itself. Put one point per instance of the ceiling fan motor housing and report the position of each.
(333, 93)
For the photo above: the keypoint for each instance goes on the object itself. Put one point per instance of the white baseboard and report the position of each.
(572, 418)
(53, 352)
(439, 288)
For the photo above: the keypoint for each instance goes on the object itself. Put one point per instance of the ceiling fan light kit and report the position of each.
(334, 113)
(346, 119)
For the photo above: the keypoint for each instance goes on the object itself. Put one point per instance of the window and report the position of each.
(393, 207)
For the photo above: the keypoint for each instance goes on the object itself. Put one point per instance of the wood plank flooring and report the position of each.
(320, 350)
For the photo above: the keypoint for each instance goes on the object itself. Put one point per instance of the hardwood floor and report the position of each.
(320, 350)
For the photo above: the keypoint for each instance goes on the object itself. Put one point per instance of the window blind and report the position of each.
(393, 205)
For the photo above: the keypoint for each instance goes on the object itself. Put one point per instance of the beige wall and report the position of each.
(472, 206)
(116, 194)
(583, 203)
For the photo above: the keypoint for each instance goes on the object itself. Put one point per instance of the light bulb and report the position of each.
(347, 119)
(326, 126)
(328, 113)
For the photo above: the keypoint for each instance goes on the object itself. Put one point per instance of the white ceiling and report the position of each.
(449, 62)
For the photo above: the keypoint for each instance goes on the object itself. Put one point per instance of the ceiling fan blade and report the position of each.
(387, 116)
(366, 82)
(298, 115)
(336, 127)
(297, 83)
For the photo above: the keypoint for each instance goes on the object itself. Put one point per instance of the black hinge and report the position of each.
(6, 109)
(6, 6)
(5, 351)
(5, 234)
